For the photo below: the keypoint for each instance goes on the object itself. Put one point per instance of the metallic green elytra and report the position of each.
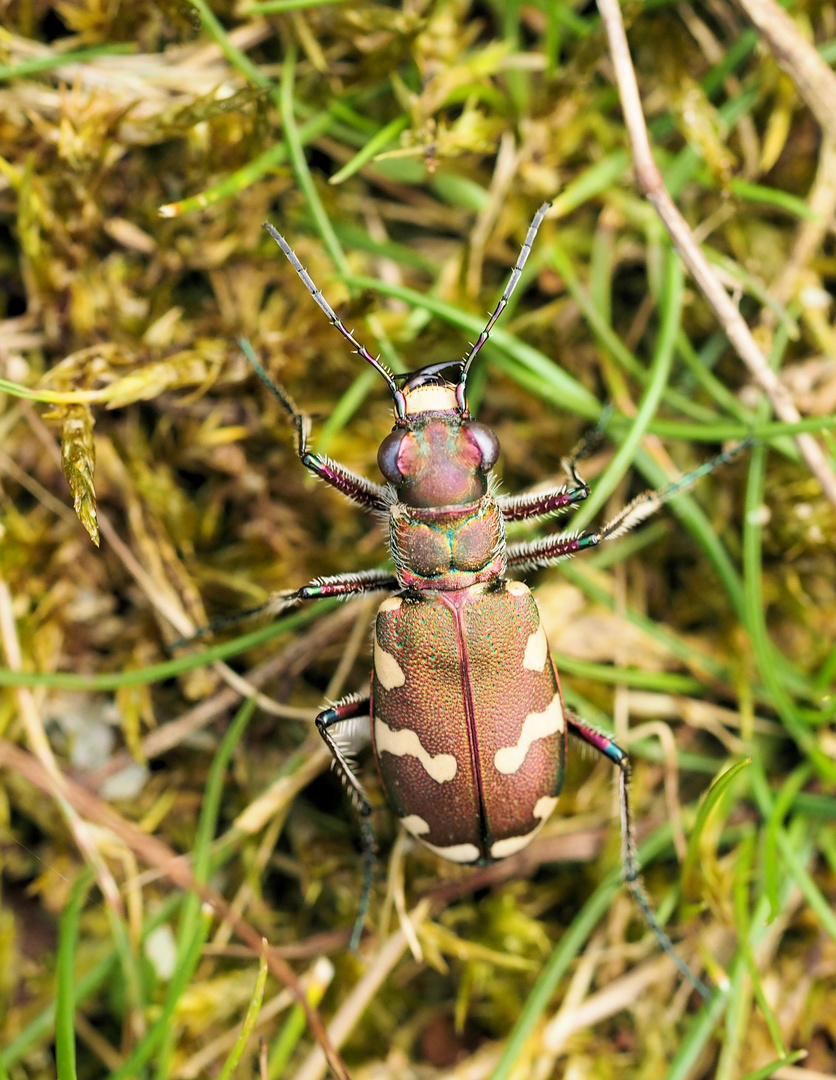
(465, 711)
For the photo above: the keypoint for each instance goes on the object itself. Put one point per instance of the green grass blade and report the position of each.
(194, 923)
(276, 7)
(248, 174)
(218, 34)
(38, 1029)
(591, 183)
(610, 340)
(567, 950)
(660, 371)
(61, 59)
(169, 669)
(250, 1020)
(551, 379)
(775, 824)
(788, 844)
(709, 804)
(756, 622)
(744, 189)
(769, 1070)
(300, 165)
(740, 896)
(374, 146)
(65, 999)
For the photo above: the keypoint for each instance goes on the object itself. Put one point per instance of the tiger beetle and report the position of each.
(465, 709)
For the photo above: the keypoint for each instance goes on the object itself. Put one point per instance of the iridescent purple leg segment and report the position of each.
(342, 585)
(541, 504)
(357, 488)
(550, 549)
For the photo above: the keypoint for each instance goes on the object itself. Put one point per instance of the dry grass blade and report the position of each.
(176, 868)
(727, 312)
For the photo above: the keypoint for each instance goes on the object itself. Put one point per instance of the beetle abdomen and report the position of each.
(468, 722)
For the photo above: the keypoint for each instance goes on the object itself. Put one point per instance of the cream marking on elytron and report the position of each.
(405, 743)
(389, 672)
(511, 844)
(461, 853)
(415, 824)
(536, 651)
(536, 726)
(391, 603)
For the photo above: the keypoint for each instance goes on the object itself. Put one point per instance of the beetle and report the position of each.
(467, 717)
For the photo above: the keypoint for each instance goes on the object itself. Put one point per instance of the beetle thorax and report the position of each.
(447, 549)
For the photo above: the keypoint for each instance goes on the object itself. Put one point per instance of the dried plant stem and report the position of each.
(155, 853)
(732, 322)
(174, 732)
(811, 234)
(165, 603)
(349, 1013)
(814, 80)
(55, 780)
(171, 610)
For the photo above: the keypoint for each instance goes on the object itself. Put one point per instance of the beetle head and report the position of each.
(436, 455)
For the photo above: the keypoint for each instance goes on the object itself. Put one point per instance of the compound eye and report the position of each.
(487, 442)
(387, 457)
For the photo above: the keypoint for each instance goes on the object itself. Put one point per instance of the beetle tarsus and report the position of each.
(369, 857)
(630, 873)
(544, 503)
(552, 549)
(349, 708)
(367, 494)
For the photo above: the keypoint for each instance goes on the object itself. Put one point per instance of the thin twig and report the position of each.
(811, 234)
(166, 603)
(814, 80)
(286, 664)
(732, 322)
(154, 852)
(39, 743)
(174, 613)
(349, 1013)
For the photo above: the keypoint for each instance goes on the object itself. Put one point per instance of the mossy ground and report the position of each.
(408, 143)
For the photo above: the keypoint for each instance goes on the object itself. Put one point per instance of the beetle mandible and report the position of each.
(467, 716)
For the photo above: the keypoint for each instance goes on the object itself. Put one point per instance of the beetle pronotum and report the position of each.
(466, 712)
